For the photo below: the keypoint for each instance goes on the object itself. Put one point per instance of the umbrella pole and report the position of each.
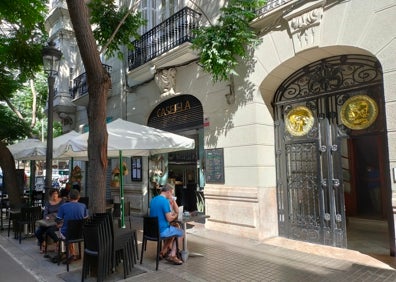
(71, 164)
(122, 190)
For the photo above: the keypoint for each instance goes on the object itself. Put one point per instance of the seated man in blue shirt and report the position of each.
(71, 210)
(166, 209)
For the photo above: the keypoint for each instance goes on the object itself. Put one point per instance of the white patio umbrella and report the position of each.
(28, 150)
(131, 139)
(35, 150)
(61, 142)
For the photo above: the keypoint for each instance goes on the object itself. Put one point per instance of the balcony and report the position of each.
(167, 44)
(63, 103)
(80, 88)
(271, 5)
(274, 9)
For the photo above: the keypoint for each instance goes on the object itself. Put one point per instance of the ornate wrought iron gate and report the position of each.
(316, 109)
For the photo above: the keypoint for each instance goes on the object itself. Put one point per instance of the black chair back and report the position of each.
(75, 230)
(151, 228)
(84, 200)
(74, 234)
(91, 236)
(116, 210)
(94, 260)
(151, 233)
(29, 216)
(105, 228)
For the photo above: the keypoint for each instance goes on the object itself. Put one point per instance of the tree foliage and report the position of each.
(223, 44)
(22, 37)
(20, 127)
(114, 26)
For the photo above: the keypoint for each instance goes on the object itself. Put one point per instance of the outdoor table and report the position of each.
(184, 220)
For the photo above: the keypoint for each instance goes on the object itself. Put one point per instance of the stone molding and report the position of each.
(304, 25)
(166, 80)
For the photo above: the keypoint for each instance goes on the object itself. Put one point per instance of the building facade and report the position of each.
(301, 140)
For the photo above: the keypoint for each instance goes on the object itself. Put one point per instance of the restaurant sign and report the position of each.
(180, 112)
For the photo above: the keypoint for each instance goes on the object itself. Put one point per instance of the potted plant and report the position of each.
(115, 177)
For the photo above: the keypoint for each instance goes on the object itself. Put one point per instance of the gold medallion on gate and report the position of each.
(359, 112)
(299, 121)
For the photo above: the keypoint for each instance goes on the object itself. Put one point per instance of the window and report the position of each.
(156, 11)
(136, 167)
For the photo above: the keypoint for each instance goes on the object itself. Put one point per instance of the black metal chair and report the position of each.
(127, 216)
(28, 216)
(124, 250)
(151, 233)
(37, 198)
(123, 247)
(104, 223)
(95, 261)
(94, 255)
(74, 235)
(4, 206)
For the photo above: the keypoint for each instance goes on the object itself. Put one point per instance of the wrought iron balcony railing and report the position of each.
(167, 35)
(271, 5)
(80, 87)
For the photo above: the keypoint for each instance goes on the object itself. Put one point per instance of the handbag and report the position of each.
(46, 222)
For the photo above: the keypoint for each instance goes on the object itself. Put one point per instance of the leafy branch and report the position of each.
(114, 25)
(223, 44)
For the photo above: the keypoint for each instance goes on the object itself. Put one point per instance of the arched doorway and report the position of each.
(331, 149)
(183, 114)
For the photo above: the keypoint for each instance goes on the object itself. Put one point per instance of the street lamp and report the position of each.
(51, 59)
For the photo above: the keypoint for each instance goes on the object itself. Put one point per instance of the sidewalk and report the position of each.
(226, 258)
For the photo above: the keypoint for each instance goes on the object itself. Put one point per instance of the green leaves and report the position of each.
(22, 37)
(18, 128)
(222, 45)
(114, 27)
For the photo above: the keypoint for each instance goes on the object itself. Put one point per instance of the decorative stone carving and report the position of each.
(67, 121)
(304, 25)
(166, 80)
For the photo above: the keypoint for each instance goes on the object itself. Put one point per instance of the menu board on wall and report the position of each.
(214, 161)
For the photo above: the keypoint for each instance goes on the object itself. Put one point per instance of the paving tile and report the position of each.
(225, 258)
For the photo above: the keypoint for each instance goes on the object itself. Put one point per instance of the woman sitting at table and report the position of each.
(50, 211)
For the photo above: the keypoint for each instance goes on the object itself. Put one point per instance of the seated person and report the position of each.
(50, 210)
(64, 193)
(161, 206)
(71, 210)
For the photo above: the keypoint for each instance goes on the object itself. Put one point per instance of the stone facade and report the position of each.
(292, 35)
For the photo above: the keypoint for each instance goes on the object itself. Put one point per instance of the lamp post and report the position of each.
(51, 59)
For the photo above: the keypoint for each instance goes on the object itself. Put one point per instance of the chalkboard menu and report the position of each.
(214, 161)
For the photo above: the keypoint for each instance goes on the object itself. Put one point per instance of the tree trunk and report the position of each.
(7, 164)
(99, 84)
(34, 103)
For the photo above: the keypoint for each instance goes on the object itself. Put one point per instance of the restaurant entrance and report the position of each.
(183, 114)
(184, 177)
